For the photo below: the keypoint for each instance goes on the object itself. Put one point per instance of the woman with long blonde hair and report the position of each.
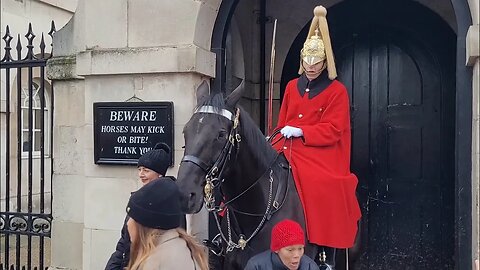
(158, 242)
(151, 165)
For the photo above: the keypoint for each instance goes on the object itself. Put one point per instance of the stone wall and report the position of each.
(473, 60)
(135, 52)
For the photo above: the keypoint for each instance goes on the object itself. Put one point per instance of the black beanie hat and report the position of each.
(156, 204)
(157, 159)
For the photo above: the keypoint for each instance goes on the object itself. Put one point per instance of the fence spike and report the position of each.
(52, 28)
(42, 48)
(30, 37)
(52, 31)
(19, 48)
(7, 38)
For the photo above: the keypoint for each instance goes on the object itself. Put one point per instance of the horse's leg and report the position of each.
(231, 263)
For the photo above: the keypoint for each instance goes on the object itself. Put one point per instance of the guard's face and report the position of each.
(291, 255)
(313, 71)
(146, 175)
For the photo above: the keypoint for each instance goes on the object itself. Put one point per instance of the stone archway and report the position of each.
(463, 141)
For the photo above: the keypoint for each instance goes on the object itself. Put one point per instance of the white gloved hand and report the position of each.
(289, 131)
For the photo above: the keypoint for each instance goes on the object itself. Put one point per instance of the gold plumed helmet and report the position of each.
(318, 47)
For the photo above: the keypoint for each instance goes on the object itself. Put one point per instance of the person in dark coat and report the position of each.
(286, 250)
(151, 165)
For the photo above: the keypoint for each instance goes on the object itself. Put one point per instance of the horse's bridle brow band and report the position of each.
(197, 161)
(211, 109)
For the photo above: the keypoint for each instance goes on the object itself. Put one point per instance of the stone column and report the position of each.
(473, 60)
(113, 51)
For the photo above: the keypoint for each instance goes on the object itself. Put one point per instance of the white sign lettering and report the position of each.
(143, 116)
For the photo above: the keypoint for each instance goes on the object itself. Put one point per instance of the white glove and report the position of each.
(289, 131)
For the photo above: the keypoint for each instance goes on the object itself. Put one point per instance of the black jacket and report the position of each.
(269, 260)
(121, 255)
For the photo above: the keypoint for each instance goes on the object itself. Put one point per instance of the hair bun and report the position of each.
(162, 146)
(157, 159)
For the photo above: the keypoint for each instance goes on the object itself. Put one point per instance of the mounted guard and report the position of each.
(230, 168)
(314, 120)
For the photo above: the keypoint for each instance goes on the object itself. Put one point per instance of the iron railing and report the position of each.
(25, 151)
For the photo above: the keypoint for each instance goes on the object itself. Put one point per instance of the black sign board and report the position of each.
(123, 131)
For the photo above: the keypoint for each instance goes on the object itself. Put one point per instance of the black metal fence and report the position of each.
(26, 118)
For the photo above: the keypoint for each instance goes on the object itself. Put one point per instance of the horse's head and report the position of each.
(206, 136)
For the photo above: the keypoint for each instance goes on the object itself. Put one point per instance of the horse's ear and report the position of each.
(235, 96)
(202, 91)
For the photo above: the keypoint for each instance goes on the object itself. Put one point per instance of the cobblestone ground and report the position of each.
(35, 251)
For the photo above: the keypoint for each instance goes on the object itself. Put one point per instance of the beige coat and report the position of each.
(171, 253)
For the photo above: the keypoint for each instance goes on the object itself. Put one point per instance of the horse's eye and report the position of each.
(222, 134)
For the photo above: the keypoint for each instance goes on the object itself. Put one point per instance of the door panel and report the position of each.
(397, 112)
(399, 72)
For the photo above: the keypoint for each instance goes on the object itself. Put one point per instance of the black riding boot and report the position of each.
(327, 258)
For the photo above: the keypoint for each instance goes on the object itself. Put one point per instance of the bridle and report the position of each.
(214, 178)
(214, 172)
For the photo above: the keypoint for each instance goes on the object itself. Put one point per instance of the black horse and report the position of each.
(227, 159)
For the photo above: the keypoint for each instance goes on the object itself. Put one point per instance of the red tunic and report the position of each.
(321, 162)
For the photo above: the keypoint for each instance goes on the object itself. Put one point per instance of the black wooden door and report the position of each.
(402, 96)
(397, 60)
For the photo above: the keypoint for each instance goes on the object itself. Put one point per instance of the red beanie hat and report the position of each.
(287, 233)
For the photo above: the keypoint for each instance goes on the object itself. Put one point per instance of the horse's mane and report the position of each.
(260, 148)
(251, 134)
